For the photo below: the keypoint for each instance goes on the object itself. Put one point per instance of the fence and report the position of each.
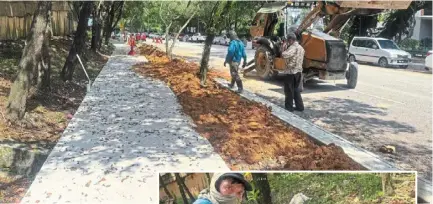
(16, 19)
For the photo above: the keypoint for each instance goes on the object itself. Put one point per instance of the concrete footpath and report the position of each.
(127, 129)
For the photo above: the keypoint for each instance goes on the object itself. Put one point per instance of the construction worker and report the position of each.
(294, 57)
(137, 37)
(143, 37)
(227, 188)
(132, 43)
(236, 52)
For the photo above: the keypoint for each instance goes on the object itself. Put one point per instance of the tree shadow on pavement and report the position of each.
(342, 115)
(127, 127)
(358, 123)
(419, 157)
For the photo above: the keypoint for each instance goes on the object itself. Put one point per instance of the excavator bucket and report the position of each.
(372, 4)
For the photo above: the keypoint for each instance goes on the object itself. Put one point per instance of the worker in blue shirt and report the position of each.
(236, 52)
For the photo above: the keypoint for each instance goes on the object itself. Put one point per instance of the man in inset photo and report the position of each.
(225, 188)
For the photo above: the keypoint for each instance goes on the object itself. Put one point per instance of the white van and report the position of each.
(378, 50)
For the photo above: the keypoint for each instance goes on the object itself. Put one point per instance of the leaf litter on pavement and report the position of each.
(48, 113)
(244, 133)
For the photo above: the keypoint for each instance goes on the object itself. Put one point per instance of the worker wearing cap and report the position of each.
(225, 188)
(294, 57)
(236, 52)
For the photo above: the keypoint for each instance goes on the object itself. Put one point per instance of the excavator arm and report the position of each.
(342, 11)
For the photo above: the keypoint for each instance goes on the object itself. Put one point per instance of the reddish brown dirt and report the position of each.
(244, 133)
(12, 190)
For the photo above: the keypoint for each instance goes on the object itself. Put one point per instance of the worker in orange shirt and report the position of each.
(137, 37)
(132, 44)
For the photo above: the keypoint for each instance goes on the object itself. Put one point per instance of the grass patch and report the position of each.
(341, 188)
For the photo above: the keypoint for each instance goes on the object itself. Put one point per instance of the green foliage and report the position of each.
(254, 194)
(241, 16)
(398, 22)
(325, 188)
(213, 14)
(360, 26)
(216, 16)
(409, 44)
(142, 15)
(426, 44)
(156, 16)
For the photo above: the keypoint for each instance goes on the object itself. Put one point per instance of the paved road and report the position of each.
(388, 106)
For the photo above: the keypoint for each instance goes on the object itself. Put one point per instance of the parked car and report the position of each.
(198, 38)
(216, 40)
(152, 35)
(428, 60)
(180, 38)
(185, 38)
(378, 50)
(223, 40)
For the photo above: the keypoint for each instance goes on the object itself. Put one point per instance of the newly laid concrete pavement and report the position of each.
(126, 130)
(389, 106)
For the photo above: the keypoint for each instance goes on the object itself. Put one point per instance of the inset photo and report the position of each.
(287, 188)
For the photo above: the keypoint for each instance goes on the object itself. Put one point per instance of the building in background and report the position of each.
(423, 25)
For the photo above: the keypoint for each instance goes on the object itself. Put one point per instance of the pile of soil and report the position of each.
(244, 133)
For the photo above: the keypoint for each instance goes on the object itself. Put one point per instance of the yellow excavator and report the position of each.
(325, 52)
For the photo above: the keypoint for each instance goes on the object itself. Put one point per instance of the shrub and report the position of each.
(409, 44)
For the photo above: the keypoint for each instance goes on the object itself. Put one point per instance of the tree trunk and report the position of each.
(204, 64)
(110, 21)
(32, 56)
(387, 186)
(236, 22)
(161, 181)
(44, 81)
(262, 183)
(191, 197)
(79, 42)
(96, 29)
(170, 51)
(167, 30)
(43, 75)
(182, 192)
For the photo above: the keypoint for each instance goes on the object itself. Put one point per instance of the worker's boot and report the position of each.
(240, 86)
(232, 84)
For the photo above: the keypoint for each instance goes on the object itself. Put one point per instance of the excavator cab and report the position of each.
(325, 52)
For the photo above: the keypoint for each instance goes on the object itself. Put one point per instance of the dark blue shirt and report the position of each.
(236, 51)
